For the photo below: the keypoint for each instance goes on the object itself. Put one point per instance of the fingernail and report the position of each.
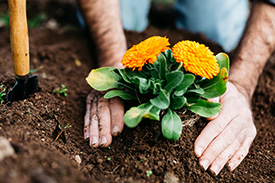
(204, 164)
(93, 141)
(103, 140)
(115, 130)
(87, 135)
(215, 169)
(231, 166)
(199, 151)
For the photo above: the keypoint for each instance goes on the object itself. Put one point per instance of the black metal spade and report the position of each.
(25, 84)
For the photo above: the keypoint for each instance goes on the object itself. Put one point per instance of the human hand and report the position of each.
(103, 119)
(227, 137)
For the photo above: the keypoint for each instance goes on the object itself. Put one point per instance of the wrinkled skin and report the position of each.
(228, 136)
(103, 119)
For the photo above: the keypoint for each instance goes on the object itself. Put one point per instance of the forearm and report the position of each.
(103, 19)
(256, 46)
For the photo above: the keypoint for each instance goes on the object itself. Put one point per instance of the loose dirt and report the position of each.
(65, 56)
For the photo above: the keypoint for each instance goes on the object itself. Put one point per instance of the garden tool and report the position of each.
(25, 84)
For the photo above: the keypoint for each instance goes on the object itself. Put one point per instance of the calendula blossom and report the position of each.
(145, 52)
(196, 58)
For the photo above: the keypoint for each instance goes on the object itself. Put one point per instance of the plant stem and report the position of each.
(137, 97)
(126, 86)
(179, 67)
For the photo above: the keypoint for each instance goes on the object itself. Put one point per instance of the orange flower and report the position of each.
(196, 58)
(145, 52)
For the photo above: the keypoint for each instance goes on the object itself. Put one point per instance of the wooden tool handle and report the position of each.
(19, 37)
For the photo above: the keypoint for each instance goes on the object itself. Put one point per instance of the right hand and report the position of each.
(103, 119)
(228, 136)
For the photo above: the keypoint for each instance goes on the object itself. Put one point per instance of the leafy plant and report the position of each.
(62, 91)
(32, 22)
(60, 132)
(37, 20)
(2, 93)
(32, 71)
(5, 19)
(149, 173)
(169, 83)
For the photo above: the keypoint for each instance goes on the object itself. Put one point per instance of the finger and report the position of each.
(117, 113)
(87, 116)
(219, 144)
(215, 127)
(225, 155)
(104, 122)
(215, 100)
(236, 129)
(93, 127)
(243, 150)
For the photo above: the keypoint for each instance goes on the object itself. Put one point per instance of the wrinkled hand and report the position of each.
(227, 137)
(103, 119)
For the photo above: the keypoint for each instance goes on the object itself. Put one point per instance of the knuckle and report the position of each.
(94, 121)
(228, 139)
(86, 128)
(216, 126)
(253, 131)
(236, 145)
(243, 153)
(87, 116)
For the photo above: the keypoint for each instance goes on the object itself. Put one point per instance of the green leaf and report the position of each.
(223, 60)
(192, 99)
(134, 115)
(37, 20)
(178, 102)
(173, 79)
(162, 65)
(142, 84)
(122, 74)
(154, 86)
(162, 101)
(132, 74)
(103, 78)
(168, 54)
(199, 91)
(187, 81)
(171, 126)
(153, 71)
(216, 86)
(119, 93)
(204, 108)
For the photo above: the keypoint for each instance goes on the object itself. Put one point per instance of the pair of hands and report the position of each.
(225, 139)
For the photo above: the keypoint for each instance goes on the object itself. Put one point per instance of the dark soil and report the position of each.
(30, 125)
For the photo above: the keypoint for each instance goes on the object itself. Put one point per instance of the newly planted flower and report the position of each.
(196, 58)
(61, 91)
(167, 81)
(2, 93)
(145, 52)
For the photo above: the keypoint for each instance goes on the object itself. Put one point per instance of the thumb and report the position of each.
(216, 100)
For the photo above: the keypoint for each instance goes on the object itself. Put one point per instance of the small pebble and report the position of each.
(99, 161)
(170, 177)
(52, 24)
(78, 159)
(5, 148)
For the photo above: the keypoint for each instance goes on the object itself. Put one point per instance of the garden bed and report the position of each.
(64, 56)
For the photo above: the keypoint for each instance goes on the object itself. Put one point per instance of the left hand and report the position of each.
(227, 137)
